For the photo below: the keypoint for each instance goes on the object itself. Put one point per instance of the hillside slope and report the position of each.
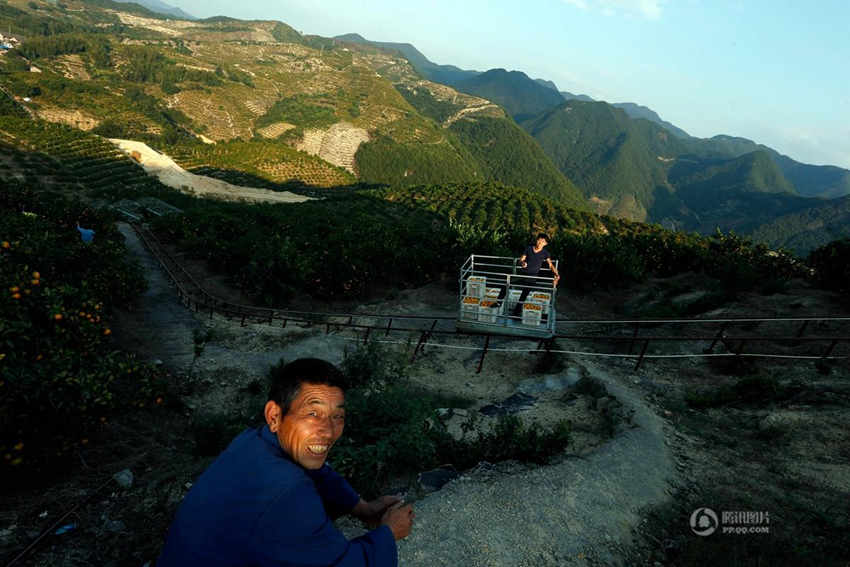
(242, 97)
(521, 96)
(804, 230)
(638, 170)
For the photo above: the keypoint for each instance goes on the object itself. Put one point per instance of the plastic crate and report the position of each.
(469, 308)
(542, 298)
(532, 314)
(476, 286)
(488, 311)
(512, 299)
(492, 293)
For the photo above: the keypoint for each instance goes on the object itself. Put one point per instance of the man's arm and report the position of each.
(555, 271)
(337, 495)
(522, 261)
(372, 512)
(296, 531)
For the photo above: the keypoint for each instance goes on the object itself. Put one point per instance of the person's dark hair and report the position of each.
(286, 379)
(543, 236)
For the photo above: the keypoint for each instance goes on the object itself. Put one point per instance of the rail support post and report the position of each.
(829, 350)
(642, 354)
(717, 337)
(420, 346)
(483, 353)
(634, 337)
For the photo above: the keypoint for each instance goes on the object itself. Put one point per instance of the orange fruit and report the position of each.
(16, 296)
(36, 275)
(58, 316)
(107, 332)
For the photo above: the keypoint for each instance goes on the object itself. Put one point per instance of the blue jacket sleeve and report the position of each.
(338, 496)
(295, 531)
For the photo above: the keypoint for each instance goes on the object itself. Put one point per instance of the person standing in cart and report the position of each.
(530, 262)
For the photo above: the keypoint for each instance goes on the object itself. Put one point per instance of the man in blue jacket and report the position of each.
(268, 499)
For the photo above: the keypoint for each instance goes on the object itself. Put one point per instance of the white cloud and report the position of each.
(649, 9)
(578, 3)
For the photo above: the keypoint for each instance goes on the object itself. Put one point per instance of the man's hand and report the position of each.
(399, 519)
(372, 512)
(555, 281)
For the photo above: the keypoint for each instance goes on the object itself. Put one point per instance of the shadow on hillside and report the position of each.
(297, 186)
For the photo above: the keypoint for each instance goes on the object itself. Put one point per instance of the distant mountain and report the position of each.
(162, 8)
(639, 111)
(737, 194)
(493, 146)
(521, 100)
(612, 158)
(547, 84)
(571, 96)
(510, 156)
(825, 181)
(446, 74)
(521, 96)
(804, 230)
(639, 170)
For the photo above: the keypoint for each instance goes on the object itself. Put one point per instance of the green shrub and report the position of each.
(392, 430)
(831, 265)
(302, 110)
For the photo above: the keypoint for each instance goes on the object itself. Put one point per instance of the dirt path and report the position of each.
(171, 174)
(160, 327)
(580, 510)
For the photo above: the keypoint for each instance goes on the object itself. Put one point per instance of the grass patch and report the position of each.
(755, 390)
(392, 431)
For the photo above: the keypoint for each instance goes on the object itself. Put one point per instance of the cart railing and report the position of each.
(503, 293)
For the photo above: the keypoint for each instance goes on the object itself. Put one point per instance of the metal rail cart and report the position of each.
(489, 299)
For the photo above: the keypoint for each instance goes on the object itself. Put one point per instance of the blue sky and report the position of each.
(777, 72)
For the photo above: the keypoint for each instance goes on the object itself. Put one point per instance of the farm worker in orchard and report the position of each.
(87, 235)
(531, 261)
(269, 498)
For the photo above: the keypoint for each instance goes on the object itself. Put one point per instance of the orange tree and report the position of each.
(831, 265)
(59, 371)
(335, 247)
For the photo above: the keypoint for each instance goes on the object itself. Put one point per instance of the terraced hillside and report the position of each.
(65, 158)
(268, 160)
(363, 112)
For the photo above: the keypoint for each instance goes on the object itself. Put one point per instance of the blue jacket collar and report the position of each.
(272, 441)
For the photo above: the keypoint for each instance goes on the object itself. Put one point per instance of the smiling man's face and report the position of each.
(312, 425)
